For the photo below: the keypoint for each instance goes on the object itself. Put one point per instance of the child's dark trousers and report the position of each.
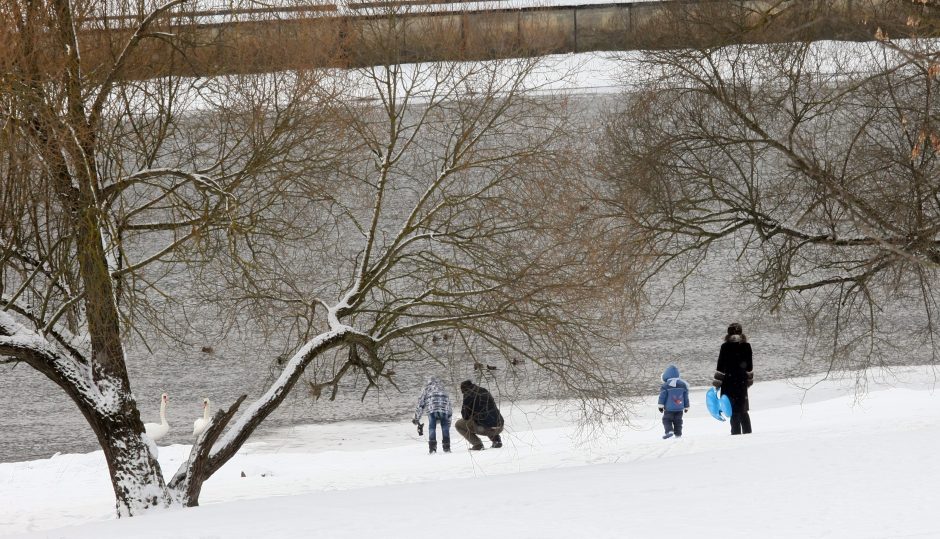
(672, 421)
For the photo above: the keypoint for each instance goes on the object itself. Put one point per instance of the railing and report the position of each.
(367, 32)
(233, 12)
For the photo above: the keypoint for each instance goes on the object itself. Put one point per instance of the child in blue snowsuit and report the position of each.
(673, 401)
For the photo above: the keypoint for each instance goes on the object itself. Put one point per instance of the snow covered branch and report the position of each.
(16, 341)
(256, 412)
(187, 483)
(68, 341)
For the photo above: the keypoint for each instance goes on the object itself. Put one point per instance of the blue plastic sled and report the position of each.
(719, 408)
(724, 403)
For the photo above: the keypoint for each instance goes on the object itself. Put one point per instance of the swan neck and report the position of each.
(163, 412)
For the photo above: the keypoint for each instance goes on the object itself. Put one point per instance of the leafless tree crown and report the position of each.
(815, 162)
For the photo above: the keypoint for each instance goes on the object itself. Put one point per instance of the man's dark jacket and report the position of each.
(479, 407)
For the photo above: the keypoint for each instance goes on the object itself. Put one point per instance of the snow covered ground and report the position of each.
(829, 462)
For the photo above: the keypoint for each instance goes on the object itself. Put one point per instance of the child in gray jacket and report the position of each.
(673, 401)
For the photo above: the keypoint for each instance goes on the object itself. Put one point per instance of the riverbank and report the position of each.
(823, 462)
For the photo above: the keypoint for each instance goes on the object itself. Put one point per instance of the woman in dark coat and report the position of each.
(734, 374)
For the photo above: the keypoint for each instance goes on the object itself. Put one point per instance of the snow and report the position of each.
(17, 335)
(827, 462)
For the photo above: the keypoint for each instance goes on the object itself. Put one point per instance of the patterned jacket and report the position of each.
(434, 398)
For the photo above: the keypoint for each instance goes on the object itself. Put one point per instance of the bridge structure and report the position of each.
(213, 40)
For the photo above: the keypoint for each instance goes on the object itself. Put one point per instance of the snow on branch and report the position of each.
(257, 411)
(65, 338)
(23, 344)
(187, 483)
(17, 340)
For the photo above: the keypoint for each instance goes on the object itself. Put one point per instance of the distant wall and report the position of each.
(334, 40)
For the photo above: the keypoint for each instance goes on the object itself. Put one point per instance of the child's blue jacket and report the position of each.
(674, 393)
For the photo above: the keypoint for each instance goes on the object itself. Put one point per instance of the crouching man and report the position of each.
(480, 416)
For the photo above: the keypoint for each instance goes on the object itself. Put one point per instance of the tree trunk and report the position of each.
(100, 303)
(135, 473)
(136, 476)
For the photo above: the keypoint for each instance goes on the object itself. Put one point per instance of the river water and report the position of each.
(39, 421)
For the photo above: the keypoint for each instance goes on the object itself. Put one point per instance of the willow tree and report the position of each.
(366, 208)
(815, 163)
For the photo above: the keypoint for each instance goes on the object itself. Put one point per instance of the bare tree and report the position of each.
(815, 162)
(449, 220)
(354, 212)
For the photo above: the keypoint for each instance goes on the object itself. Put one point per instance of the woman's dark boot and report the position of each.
(446, 445)
(432, 447)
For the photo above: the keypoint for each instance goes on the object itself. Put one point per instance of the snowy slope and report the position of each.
(826, 463)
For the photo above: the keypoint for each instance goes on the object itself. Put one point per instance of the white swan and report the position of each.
(200, 424)
(158, 430)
